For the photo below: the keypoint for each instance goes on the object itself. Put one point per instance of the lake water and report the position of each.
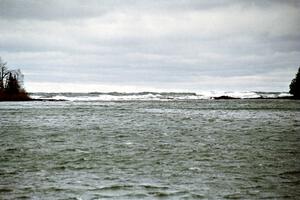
(183, 149)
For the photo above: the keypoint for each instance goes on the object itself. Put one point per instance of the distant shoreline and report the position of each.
(229, 98)
(150, 96)
(214, 98)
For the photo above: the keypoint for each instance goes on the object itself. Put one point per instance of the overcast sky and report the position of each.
(159, 45)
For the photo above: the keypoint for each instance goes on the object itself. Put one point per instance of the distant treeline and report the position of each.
(295, 86)
(11, 84)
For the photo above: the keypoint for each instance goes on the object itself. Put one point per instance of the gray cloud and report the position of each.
(188, 45)
(69, 9)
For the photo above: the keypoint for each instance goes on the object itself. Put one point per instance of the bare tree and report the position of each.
(3, 73)
(7, 76)
(11, 82)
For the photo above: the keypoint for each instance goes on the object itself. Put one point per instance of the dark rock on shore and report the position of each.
(48, 100)
(20, 96)
(224, 97)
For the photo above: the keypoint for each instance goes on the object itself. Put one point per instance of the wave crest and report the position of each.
(151, 96)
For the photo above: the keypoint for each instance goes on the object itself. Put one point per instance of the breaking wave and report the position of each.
(153, 96)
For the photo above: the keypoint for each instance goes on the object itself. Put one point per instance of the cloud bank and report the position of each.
(152, 45)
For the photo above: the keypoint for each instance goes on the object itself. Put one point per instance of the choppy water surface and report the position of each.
(235, 149)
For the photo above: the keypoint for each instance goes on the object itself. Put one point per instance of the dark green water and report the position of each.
(235, 149)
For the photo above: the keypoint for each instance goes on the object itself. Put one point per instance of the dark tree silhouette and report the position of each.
(295, 85)
(11, 84)
(3, 74)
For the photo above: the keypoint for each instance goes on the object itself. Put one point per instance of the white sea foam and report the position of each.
(36, 96)
(145, 96)
(284, 94)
